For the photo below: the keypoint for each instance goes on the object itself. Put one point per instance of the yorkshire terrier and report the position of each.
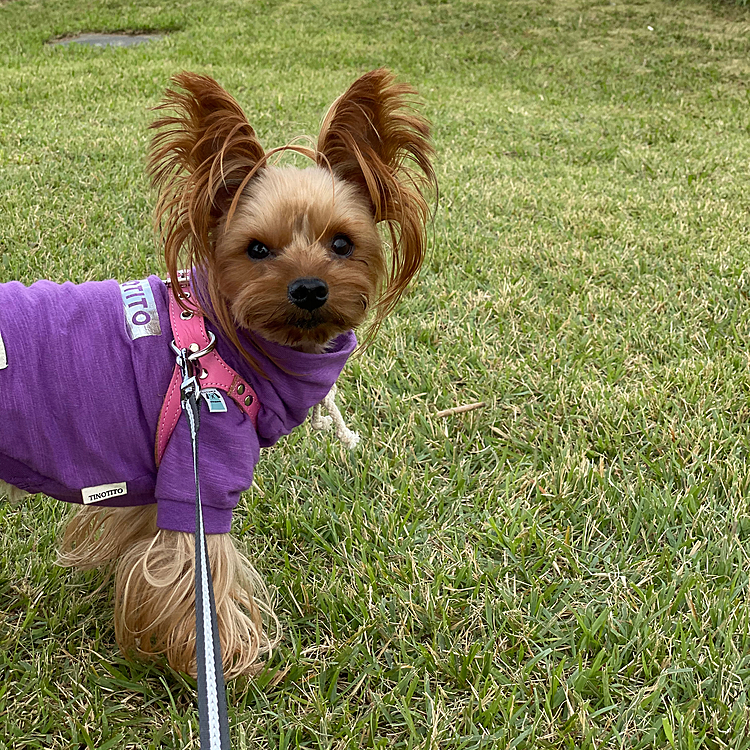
(284, 264)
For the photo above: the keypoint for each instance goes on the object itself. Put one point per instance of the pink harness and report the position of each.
(189, 331)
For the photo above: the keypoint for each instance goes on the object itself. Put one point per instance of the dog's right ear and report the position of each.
(201, 156)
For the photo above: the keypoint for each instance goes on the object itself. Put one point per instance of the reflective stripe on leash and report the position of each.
(212, 701)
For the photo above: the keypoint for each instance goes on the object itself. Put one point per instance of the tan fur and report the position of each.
(155, 588)
(323, 207)
(13, 494)
(374, 137)
(217, 196)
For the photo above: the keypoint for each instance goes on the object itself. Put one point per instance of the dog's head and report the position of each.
(295, 255)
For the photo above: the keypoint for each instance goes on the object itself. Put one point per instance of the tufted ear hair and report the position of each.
(374, 137)
(202, 156)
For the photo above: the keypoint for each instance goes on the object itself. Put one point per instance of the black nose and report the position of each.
(309, 294)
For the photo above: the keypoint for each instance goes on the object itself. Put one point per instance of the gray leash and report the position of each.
(212, 700)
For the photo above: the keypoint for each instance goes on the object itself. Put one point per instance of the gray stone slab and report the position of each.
(109, 40)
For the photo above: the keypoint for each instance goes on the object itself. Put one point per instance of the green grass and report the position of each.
(566, 568)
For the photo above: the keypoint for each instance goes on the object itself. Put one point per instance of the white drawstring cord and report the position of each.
(319, 421)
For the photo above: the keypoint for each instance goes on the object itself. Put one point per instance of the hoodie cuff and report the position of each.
(173, 515)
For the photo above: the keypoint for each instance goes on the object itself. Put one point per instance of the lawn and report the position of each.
(567, 567)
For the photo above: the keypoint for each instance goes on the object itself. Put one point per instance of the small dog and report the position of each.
(285, 263)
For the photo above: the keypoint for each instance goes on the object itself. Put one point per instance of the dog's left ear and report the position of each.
(374, 137)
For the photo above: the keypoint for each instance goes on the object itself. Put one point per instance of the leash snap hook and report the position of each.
(189, 387)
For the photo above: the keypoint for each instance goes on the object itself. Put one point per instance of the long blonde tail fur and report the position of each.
(155, 588)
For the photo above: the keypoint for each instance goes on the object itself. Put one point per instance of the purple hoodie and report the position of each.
(83, 373)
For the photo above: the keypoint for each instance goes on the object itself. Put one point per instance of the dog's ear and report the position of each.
(203, 154)
(374, 137)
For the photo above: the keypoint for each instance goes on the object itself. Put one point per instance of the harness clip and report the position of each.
(187, 362)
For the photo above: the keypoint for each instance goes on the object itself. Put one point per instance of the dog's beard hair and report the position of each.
(154, 574)
(289, 326)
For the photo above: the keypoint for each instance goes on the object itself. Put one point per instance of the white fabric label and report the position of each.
(103, 492)
(3, 353)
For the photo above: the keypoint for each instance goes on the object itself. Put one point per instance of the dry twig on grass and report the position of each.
(460, 409)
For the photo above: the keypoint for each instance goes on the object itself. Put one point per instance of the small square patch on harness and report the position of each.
(215, 401)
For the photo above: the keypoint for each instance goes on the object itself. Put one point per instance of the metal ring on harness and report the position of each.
(193, 356)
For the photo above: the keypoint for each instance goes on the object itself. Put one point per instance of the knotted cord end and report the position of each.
(319, 421)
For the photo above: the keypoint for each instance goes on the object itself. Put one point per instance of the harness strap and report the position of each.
(189, 332)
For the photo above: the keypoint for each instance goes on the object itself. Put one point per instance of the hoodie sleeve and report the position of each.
(228, 452)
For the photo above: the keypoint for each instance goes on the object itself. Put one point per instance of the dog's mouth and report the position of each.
(324, 317)
(316, 326)
(290, 325)
(306, 323)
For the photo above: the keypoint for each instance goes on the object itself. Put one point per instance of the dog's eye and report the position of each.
(257, 250)
(342, 246)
